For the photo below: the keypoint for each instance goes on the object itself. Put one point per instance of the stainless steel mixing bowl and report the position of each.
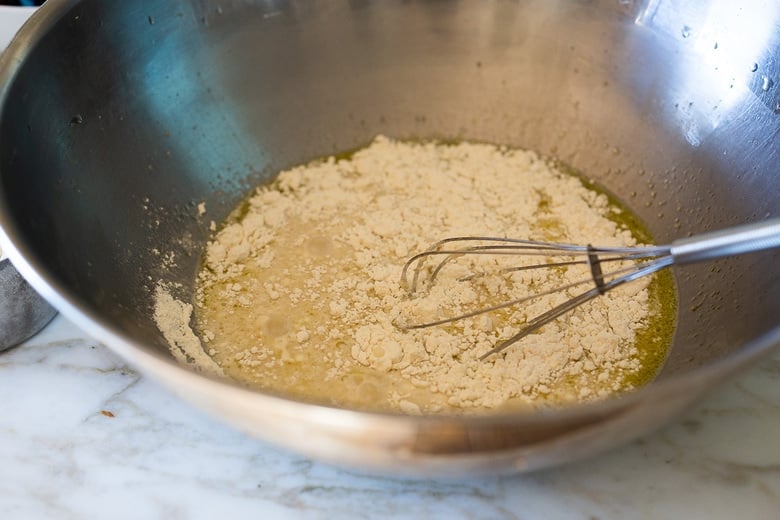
(118, 118)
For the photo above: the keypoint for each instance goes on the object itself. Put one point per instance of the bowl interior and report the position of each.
(121, 118)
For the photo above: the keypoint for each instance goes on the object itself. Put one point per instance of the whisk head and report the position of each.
(422, 270)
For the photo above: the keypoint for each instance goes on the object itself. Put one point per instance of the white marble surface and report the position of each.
(82, 436)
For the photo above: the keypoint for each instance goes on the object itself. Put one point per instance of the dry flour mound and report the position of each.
(173, 317)
(300, 290)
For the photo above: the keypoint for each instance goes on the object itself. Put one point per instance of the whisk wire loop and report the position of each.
(592, 257)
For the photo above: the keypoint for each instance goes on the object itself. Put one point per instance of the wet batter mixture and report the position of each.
(300, 292)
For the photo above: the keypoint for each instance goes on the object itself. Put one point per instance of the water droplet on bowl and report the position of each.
(686, 31)
(754, 67)
(766, 83)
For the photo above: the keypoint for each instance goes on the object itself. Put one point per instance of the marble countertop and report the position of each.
(84, 436)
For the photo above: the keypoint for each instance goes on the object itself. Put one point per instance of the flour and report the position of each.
(173, 318)
(300, 291)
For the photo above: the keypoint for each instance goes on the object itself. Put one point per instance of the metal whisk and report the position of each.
(643, 261)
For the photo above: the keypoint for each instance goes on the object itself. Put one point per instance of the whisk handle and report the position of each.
(733, 241)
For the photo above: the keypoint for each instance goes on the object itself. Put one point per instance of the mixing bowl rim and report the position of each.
(151, 361)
